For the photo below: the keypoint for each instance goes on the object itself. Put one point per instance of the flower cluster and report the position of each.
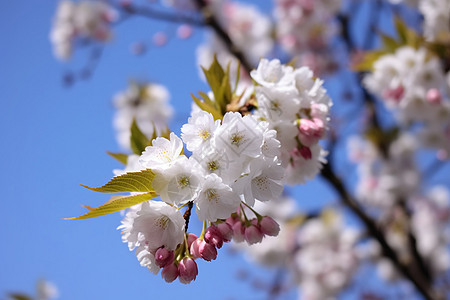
(145, 103)
(327, 260)
(296, 106)
(436, 15)
(384, 180)
(413, 83)
(304, 29)
(83, 19)
(430, 226)
(233, 161)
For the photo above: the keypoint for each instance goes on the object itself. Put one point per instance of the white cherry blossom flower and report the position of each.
(179, 183)
(273, 74)
(199, 131)
(149, 226)
(216, 200)
(163, 153)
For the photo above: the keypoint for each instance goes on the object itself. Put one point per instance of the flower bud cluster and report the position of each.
(296, 106)
(251, 230)
(83, 19)
(147, 104)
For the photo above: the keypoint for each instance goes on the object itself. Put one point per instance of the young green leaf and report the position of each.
(389, 43)
(116, 203)
(128, 182)
(369, 58)
(138, 140)
(121, 157)
(208, 108)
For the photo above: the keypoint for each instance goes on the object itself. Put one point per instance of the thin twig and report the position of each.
(211, 21)
(187, 215)
(147, 12)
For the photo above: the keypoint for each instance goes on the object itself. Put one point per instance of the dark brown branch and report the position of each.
(147, 12)
(211, 21)
(187, 215)
(328, 174)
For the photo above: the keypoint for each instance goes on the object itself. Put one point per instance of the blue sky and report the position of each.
(55, 138)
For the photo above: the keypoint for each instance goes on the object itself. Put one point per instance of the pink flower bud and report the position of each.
(195, 248)
(213, 236)
(269, 226)
(137, 48)
(207, 251)
(434, 96)
(169, 273)
(310, 131)
(184, 31)
(231, 220)
(253, 235)
(163, 257)
(395, 94)
(305, 152)
(160, 39)
(191, 238)
(238, 232)
(187, 270)
(226, 231)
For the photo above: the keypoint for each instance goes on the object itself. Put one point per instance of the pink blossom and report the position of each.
(310, 131)
(207, 251)
(238, 232)
(253, 234)
(269, 226)
(195, 248)
(184, 31)
(213, 236)
(190, 239)
(434, 96)
(395, 94)
(169, 273)
(226, 231)
(164, 257)
(160, 39)
(187, 269)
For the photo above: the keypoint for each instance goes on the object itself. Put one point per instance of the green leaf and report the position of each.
(366, 64)
(238, 76)
(218, 80)
(401, 29)
(407, 35)
(389, 43)
(138, 140)
(115, 204)
(128, 182)
(208, 108)
(206, 98)
(121, 157)
(225, 92)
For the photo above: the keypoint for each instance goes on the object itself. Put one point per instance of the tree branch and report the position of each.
(147, 12)
(328, 174)
(211, 21)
